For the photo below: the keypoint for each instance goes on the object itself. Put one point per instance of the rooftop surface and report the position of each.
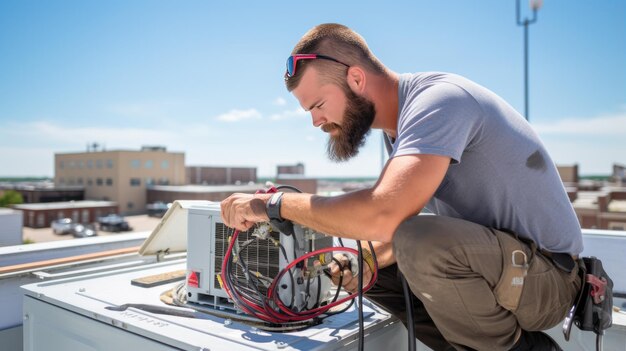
(64, 205)
(207, 188)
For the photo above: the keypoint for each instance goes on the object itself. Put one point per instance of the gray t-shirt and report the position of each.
(501, 176)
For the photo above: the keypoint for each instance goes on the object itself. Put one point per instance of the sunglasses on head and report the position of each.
(292, 62)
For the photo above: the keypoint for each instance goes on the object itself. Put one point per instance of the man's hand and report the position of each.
(242, 211)
(349, 282)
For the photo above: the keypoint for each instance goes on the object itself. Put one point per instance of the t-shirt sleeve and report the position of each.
(440, 119)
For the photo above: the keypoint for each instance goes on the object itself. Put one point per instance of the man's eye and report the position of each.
(320, 105)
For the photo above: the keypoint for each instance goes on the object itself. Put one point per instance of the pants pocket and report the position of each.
(546, 297)
(515, 257)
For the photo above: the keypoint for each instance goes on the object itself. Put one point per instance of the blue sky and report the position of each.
(206, 78)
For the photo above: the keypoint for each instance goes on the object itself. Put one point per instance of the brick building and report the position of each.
(35, 195)
(203, 175)
(619, 173)
(41, 215)
(605, 209)
(306, 185)
(298, 168)
(168, 194)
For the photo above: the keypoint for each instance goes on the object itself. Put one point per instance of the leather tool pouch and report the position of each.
(594, 305)
(516, 256)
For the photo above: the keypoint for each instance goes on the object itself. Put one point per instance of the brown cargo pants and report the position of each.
(475, 287)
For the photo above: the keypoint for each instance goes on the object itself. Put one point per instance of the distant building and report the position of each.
(290, 169)
(167, 194)
(41, 215)
(619, 173)
(36, 195)
(203, 175)
(121, 175)
(306, 185)
(604, 209)
(10, 227)
(569, 177)
(568, 173)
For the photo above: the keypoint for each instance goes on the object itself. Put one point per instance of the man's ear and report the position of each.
(356, 79)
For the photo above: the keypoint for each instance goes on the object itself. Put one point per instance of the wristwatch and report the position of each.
(272, 208)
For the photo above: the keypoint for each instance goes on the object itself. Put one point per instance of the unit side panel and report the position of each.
(47, 327)
(199, 237)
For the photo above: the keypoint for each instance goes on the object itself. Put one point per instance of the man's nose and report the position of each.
(317, 118)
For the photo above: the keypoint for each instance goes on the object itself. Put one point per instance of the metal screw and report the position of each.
(26, 316)
(82, 290)
(281, 345)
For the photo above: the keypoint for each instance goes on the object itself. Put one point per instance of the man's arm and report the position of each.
(384, 257)
(403, 189)
(383, 251)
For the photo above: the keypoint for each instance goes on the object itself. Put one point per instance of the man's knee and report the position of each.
(428, 244)
(416, 240)
(419, 235)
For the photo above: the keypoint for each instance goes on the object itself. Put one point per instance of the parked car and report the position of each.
(83, 231)
(62, 225)
(157, 209)
(113, 223)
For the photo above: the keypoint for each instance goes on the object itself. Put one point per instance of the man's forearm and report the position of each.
(384, 253)
(353, 215)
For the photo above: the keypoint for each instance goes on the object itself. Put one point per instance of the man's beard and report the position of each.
(358, 118)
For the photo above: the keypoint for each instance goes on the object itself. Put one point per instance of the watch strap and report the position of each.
(272, 208)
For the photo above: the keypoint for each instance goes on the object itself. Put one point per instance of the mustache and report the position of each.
(329, 127)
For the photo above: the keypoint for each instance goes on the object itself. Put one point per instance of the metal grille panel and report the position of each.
(261, 255)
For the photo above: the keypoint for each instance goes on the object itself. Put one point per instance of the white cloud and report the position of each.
(26, 161)
(239, 115)
(45, 131)
(288, 114)
(602, 125)
(280, 101)
(27, 148)
(593, 155)
(594, 143)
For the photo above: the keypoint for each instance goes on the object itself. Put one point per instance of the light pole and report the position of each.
(534, 6)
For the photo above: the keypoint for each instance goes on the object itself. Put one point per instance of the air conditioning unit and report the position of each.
(207, 243)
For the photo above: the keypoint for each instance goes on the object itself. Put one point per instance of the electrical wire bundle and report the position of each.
(257, 295)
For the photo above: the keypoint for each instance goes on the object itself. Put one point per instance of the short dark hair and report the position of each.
(339, 42)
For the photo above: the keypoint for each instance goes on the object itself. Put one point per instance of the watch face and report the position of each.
(274, 199)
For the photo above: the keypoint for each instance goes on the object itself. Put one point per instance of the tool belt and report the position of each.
(593, 307)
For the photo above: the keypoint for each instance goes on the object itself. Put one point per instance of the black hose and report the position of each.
(408, 299)
(360, 296)
(280, 187)
(338, 263)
